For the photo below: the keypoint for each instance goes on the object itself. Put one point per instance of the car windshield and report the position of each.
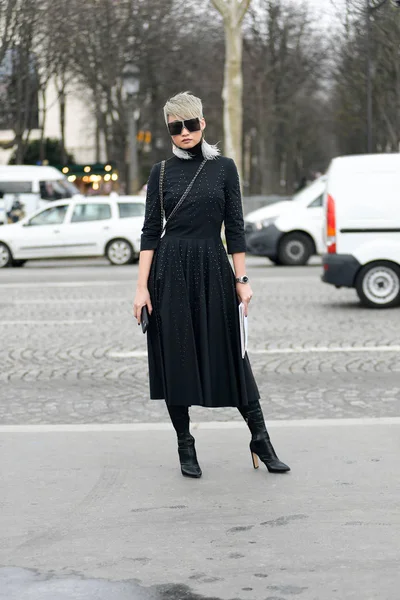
(51, 216)
(57, 189)
(310, 192)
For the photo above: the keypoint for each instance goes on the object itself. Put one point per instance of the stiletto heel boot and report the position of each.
(187, 453)
(260, 445)
(264, 450)
(187, 457)
(254, 458)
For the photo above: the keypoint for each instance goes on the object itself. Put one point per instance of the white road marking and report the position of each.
(132, 427)
(69, 301)
(284, 279)
(271, 351)
(127, 282)
(63, 284)
(323, 349)
(42, 322)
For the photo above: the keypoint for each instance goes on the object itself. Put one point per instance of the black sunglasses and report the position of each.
(176, 127)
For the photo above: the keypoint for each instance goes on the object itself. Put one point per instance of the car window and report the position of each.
(91, 212)
(56, 189)
(16, 187)
(130, 209)
(317, 202)
(51, 216)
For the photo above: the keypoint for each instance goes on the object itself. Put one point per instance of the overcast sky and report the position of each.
(327, 9)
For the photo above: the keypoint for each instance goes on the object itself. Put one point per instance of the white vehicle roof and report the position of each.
(93, 200)
(366, 162)
(117, 198)
(29, 173)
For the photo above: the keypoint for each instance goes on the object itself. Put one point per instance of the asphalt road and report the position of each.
(72, 353)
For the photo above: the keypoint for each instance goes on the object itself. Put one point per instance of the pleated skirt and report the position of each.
(193, 340)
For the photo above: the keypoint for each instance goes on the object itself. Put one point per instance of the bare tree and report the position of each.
(233, 12)
(8, 19)
(158, 38)
(349, 94)
(22, 93)
(286, 129)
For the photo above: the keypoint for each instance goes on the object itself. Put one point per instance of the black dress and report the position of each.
(193, 338)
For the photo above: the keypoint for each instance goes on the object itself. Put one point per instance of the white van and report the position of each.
(33, 186)
(288, 232)
(362, 227)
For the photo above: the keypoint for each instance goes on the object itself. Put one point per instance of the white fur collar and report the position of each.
(210, 152)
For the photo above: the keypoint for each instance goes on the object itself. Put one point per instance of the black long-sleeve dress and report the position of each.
(193, 338)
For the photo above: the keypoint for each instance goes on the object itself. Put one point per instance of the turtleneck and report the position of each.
(196, 152)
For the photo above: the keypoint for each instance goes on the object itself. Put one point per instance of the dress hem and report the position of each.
(204, 405)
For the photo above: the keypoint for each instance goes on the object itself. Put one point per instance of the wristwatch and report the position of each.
(243, 279)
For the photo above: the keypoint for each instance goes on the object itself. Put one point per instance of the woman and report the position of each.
(188, 286)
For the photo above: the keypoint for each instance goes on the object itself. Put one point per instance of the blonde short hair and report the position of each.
(183, 105)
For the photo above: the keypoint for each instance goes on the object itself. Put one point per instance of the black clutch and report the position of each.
(144, 319)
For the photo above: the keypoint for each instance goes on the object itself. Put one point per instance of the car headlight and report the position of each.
(265, 223)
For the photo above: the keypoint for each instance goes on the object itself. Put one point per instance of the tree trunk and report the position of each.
(232, 94)
(42, 143)
(233, 12)
(19, 155)
(62, 124)
(98, 139)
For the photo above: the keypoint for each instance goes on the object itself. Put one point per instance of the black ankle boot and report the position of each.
(263, 449)
(187, 456)
(260, 445)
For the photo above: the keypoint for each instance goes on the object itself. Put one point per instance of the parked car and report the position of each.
(33, 186)
(288, 232)
(99, 226)
(362, 227)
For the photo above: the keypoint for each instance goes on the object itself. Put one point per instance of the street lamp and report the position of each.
(371, 7)
(131, 84)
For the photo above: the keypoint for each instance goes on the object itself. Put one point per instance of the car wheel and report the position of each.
(5, 256)
(18, 263)
(378, 285)
(295, 249)
(119, 252)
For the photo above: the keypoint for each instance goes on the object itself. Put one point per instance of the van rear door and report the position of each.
(368, 211)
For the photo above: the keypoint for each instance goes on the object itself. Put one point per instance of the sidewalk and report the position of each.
(106, 515)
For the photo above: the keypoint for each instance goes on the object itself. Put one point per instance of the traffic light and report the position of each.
(144, 136)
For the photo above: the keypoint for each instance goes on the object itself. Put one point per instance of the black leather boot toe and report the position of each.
(264, 450)
(188, 458)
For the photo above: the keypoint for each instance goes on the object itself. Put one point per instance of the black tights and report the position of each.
(179, 416)
(252, 414)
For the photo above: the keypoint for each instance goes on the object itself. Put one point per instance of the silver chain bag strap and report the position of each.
(184, 196)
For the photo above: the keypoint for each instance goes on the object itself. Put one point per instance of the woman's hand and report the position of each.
(142, 298)
(245, 294)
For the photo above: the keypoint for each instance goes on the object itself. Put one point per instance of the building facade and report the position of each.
(80, 126)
